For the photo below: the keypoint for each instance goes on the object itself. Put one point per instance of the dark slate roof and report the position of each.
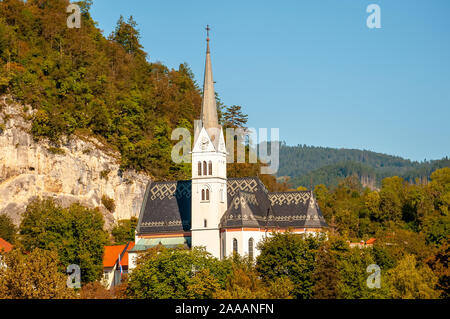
(243, 211)
(296, 209)
(167, 207)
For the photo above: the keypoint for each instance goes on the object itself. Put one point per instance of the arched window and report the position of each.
(199, 168)
(250, 248)
(210, 168)
(204, 168)
(205, 194)
(205, 223)
(224, 247)
(235, 246)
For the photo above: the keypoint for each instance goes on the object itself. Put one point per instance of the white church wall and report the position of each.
(132, 256)
(242, 238)
(207, 212)
(208, 238)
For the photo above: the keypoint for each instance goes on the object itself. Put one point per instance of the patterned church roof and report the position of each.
(167, 207)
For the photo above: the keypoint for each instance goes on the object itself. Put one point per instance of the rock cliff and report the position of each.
(81, 169)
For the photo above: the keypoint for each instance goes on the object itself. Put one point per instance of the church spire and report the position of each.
(209, 109)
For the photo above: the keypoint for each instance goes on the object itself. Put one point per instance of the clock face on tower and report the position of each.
(205, 143)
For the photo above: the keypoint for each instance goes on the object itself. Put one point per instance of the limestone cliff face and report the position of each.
(81, 170)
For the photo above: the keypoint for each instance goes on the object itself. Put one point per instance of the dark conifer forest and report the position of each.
(305, 165)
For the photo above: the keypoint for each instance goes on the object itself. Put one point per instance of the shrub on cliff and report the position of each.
(108, 203)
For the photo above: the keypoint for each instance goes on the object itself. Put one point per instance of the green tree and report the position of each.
(33, 275)
(353, 272)
(163, 273)
(391, 199)
(398, 242)
(372, 202)
(233, 117)
(8, 230)
(203, 285)
(124, 231)
(244, 282)
(289, 255)
(440, 186)
(439, 264)
(410, 281)
(75, 233)
(326, 276)
(436, 229)
(95, 290)
(127, 35)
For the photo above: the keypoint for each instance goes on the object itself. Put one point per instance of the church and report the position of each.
(224, 215)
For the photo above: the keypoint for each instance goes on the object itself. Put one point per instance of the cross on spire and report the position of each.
(207, 31)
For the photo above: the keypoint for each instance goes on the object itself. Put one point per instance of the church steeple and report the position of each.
(209, 109)
(209, 170)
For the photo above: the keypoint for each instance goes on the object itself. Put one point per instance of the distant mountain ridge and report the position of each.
(305, 165)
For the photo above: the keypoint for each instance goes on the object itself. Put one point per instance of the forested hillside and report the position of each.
(84, 83)
(306, 165)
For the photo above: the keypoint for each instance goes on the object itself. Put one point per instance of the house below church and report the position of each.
(115, 264)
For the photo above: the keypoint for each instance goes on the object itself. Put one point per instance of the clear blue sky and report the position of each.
(312, 67)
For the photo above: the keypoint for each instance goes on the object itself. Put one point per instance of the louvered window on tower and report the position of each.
(199, 168)
(204, 169)
(210, 168)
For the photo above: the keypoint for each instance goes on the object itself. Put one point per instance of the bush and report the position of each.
(56, 150)
(163, 273)
(75, 233)
(124, 231)
(104, 174)
(33, 275)
(108, 203)
(95, 290)
(7, 228)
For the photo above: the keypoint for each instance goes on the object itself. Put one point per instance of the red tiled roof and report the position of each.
(371, 241)
(124, 260)
(5, 246)
(112, 254)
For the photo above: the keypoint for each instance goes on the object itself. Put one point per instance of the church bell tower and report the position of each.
(209, 169)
